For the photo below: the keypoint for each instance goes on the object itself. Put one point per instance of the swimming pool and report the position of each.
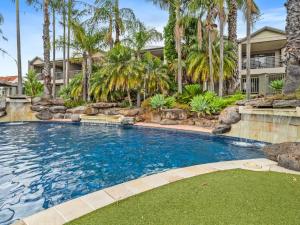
(44, 164)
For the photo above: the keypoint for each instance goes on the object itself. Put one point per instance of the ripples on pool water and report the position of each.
(44, 164)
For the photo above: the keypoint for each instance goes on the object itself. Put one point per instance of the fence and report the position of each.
(254, 85)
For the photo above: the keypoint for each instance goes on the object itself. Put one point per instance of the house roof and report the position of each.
(272, 29)
(11, 79)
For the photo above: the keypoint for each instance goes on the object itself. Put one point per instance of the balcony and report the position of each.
(59, 75)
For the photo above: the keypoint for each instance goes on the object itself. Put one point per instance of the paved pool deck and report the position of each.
(73, 209)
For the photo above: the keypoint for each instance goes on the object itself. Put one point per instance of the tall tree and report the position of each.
(86, 44)
(179, 6)
(19, 57)
(118, 19)
(222, 20)
(70, 6)
(138, 39)
(46, 46)
(64, 24)
(292, 82)
(233, 82)
(169, 40)
(251, 11)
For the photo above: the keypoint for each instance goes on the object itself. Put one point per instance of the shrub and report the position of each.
(159, 101)
(33, 87)
(146, 103)
(189, 92)
(200, 105)
(277, 85)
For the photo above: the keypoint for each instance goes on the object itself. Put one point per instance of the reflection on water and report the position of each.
(44, 164)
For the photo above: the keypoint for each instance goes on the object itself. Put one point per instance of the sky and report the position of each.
(273, 14)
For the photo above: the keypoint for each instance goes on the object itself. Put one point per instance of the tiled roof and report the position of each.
(9, 78)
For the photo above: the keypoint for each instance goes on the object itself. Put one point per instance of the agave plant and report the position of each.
(277, 85)
(159, 101)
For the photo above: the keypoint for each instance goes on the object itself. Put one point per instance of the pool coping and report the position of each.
(75, 208)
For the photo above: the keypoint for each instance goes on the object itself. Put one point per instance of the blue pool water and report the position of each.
(44, 164)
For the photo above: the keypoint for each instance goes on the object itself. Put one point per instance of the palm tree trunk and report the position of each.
(117, 22)
(233, 82)
(221, 76)
(19, 58)
(179, 49)
(84, 77)
(54, 53)
(292, 81)
(68, 43)
(64, 42)
(211, 68)
(89, 74)
(248, 66)
(46, 44)
(129, 97)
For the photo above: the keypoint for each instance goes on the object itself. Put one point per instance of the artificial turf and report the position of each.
(233, 197)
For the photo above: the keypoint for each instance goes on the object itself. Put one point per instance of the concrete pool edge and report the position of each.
(73, 209)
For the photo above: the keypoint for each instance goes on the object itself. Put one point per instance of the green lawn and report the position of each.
(229, 198)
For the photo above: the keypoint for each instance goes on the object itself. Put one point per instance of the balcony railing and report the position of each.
(60, 75)
(263, 62)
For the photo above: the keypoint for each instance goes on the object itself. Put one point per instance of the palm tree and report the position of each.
(222, 19)
(138, 39)
(179, 6)
(117, 19)
(251, 10)
(121, 71)
(86, 44)
(156, 75)
(55, 5)
(19, 58)
(198, 60)
(292, 82)
(46, 44)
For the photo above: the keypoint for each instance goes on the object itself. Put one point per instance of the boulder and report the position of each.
(230, 115)
(292, 81)
(58, 116)
(204, 122)
(128, 121)
(273, 151)
(44, 115)
(130, 112)
(2, 113)
(222, 129)
(109, 112)
(290, 161)
(57, 101)
(104, 105)
(286, 103)
(174, 114)
(35, 100)
(68, 116)
(58, 109)
(286, 154)
(38, 108)
(90, 111)
(263, 103)
(75, 118)
(168, 122)
(155, 117)
(140, 118)
(77, 110)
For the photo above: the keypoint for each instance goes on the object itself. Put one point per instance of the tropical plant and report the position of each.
(46, 48)
(292, 82)
(198, 65)
(33, 87)
(200, 105)
(189, 92)
(169, 40)
(121, 72)
(74, 90)
(277, 85)
(160, 102)
(179, 6)
(156, 78)
(117, 19)
(140, 36)
(86, 42)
